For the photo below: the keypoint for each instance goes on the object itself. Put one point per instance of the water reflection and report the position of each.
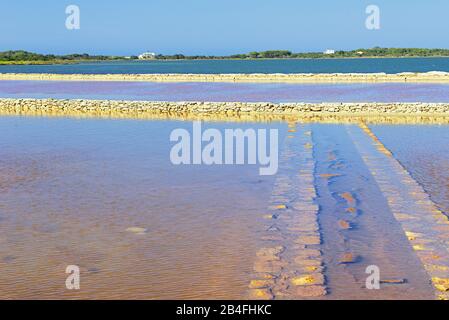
(235, 117)
(102, 194)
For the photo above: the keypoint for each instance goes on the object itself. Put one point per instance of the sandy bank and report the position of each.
(232, 111)
(428, 77)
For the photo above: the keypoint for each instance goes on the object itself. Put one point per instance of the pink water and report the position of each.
(267, 92)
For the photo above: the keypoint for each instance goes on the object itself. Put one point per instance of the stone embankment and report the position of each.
(430, 77)
(117, 107)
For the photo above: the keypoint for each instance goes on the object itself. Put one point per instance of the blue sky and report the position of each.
(219, 26)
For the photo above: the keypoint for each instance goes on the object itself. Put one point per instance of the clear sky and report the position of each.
(219, 26)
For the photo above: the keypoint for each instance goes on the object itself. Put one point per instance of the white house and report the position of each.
(329, 51)
(147, 56)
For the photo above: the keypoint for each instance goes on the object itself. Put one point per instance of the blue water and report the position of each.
(216, 91)
(365, 65)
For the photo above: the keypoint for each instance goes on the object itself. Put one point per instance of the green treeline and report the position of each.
(20, 56)
(285, 54)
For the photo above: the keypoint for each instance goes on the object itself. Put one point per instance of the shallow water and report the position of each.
(247, 92)
(365, 65)
(374, 236)
(70, 188)
(427, 158)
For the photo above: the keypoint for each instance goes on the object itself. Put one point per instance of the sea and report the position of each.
(348, 65)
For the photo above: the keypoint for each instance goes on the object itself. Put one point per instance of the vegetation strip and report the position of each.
(21, 56)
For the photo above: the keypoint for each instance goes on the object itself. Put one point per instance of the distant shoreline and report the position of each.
(22, 57)
(405, 77)
(62, 62)
(56, 62)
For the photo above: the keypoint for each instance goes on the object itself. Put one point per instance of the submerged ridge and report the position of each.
(425, 226)
(291, 265)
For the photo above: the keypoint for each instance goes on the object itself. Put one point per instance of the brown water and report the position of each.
(69, 189)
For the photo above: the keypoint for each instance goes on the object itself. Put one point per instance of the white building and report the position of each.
(329, 51)
(147, 56)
